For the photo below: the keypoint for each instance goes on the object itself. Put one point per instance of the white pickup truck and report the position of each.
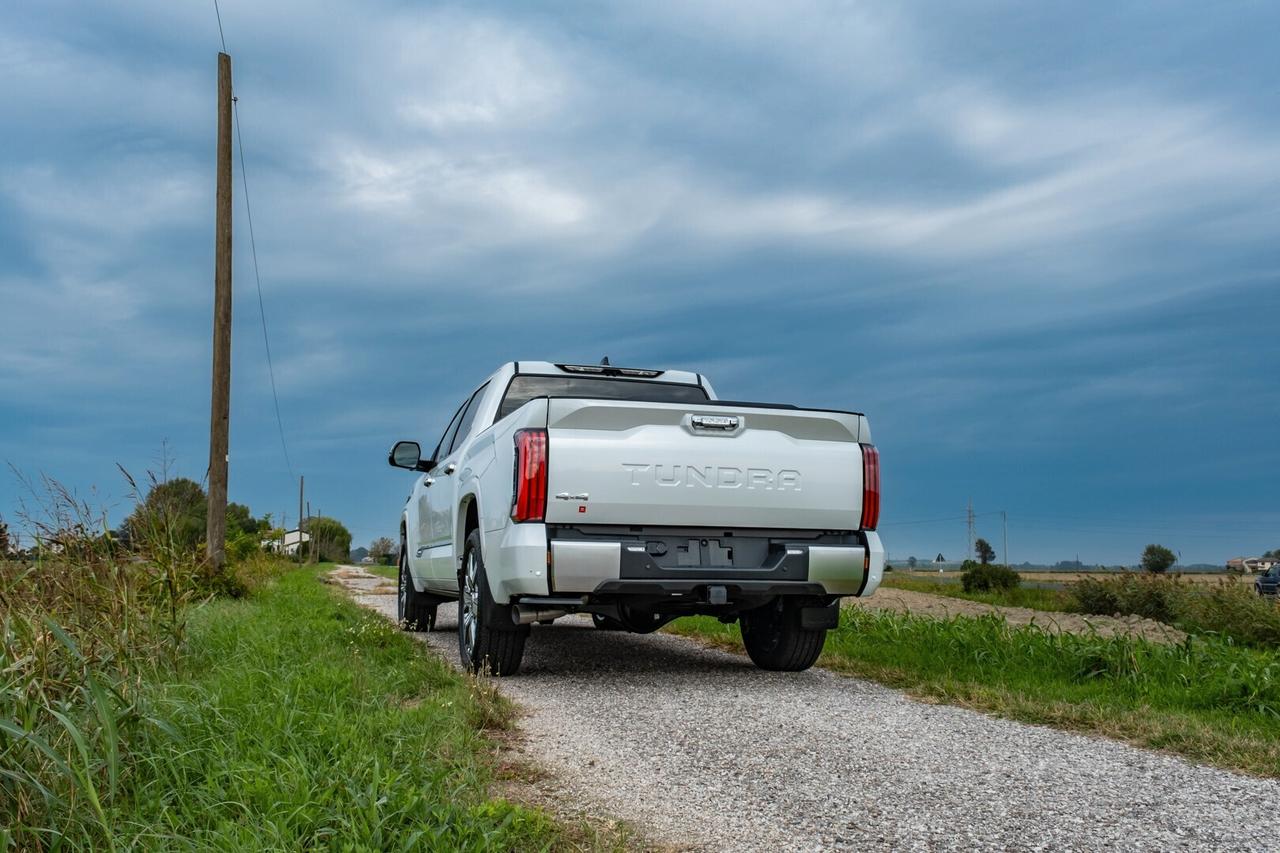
(637, 496)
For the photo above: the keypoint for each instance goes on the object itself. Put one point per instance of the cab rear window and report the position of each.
(525, 388)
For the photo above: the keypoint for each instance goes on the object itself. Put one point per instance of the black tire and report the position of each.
(488, 639)
(775, 641)
(415, 611)
(606, 623)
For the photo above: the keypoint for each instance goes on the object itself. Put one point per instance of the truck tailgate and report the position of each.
(620, 462)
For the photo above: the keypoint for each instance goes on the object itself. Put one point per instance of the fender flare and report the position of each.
(469, 498)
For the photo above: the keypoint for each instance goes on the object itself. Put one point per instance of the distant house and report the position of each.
(1252, 565)
(288, 544)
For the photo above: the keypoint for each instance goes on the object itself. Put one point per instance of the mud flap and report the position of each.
(818, 618)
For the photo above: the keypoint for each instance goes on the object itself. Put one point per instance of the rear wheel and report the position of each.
(415, 611)
(775, 640)
(488, 640)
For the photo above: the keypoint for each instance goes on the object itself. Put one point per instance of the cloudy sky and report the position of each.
(1039, 248)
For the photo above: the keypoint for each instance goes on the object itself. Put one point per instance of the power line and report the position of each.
(253, 250)
(923, 521)
(257, 277)
(221, 37)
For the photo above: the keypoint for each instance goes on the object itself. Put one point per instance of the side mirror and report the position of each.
(408, 454)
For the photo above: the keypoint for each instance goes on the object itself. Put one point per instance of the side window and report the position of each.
(449, 432)
(468, 418)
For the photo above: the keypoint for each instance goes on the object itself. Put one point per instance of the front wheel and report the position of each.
(415, 611)
(488, 639)
(775, 639)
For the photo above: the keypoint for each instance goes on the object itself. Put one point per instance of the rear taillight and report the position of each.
(530, 490)
(870, 487)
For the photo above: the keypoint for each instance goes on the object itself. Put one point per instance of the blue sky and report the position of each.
(1038, 247)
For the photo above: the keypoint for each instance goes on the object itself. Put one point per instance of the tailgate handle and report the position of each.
(717, 423)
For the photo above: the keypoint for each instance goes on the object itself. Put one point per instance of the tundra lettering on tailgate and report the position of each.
(714, 476)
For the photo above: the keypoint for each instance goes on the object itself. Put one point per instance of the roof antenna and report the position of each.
(604, 362)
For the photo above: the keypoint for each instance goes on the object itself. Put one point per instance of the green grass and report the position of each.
(295, 720)
(1035, 598)
(1207, 699)
(392, 572)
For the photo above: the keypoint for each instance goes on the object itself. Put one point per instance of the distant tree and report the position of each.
(983, 551)
(1272, 555)
(1157, 559)
(5, 545)
(911, 562)
(173, 511)
(330, 539)
(241, 521)
(381, 547)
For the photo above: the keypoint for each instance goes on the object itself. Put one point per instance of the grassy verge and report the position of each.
(291, 719)
(392, 572)
(1035, 598)
(1206, 699)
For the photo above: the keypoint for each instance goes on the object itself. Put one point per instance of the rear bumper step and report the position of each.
(600, 566)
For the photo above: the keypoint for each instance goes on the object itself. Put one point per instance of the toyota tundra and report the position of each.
(636, 496)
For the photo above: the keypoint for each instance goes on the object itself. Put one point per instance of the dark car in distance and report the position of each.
(1269, 582)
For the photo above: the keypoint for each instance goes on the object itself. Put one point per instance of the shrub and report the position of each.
(1226, 608)
(988, 577)
(241, 546)
(1146, 596)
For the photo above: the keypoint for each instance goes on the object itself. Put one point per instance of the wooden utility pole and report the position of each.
(301, 483)
(1004, 522)
(969, 553)
(220, 408)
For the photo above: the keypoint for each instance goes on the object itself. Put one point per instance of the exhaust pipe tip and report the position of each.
(523, 614)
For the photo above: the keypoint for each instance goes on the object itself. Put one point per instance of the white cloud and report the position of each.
(459, 72)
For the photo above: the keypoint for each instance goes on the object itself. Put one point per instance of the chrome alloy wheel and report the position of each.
(469, 606)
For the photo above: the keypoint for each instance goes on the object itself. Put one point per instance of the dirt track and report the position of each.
(923, 603)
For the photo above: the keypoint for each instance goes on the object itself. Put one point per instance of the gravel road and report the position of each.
(704, 752)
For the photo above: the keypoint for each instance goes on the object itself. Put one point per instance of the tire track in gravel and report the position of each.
(703, 751)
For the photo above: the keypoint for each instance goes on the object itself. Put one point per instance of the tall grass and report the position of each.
(80, 627)
(147, 702)
(1227, 608)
